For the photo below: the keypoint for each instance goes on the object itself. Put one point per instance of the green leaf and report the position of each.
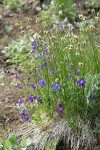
(1, 147)
(8, 144)
(13, 140)
(1, 140)
(23, 148)
(23, 142)
(28, 141)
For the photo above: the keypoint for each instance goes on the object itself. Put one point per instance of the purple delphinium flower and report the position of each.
(40, 100)
(78, 72)
(70, 76)
(26, 117)
(31, 98)
(61, 27)
(60, 104)
(46, 49)
(17, 86)
(60, 110)
(41, 44)
(23, 112)
(75, 24)
(57, 71)
(30, 148)
(33, 86)
(20, 101)
(16, 77)
(44, 64)
(44, 53)
(37, 69)
(28, 79)
(94, 96)
(20, 71)
(81, 82)
(34, 45)
(56, 86)
(42, 82)
(36, 56)
(33, 51)
(15, 68)
(51, 72)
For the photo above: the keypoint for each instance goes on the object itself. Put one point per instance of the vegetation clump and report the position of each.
(58, 73)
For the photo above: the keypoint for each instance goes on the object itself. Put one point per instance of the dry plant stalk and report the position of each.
(59, 130)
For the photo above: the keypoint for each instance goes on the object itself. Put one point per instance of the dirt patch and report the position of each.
(14, 27)
(9, 115)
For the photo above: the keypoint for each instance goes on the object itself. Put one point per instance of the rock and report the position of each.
(38, 8)
(12, 15)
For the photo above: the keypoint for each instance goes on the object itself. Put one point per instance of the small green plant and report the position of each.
(8, 28)
(16, 5)
(58, 11)
(93, 3)
(66, 8)
(17, 51)
(13, 4)
(11, 143)
(49, 16)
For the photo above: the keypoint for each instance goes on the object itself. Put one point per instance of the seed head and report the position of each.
(37, 20)
(29, 19)
(60, 12)
(21, 27)
(54, 37)
(63, 39)
(17, 24)
(91, 27)
(22, 32)
(98, 47)
(97, 19)
(44, 24)
(66, 48)
(28, 27)
(77, 54)
(93, 11)
(80, 64)
(82, 17)
(46, 32)
(84, 42)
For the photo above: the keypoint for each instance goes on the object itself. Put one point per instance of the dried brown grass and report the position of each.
(59, 130)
